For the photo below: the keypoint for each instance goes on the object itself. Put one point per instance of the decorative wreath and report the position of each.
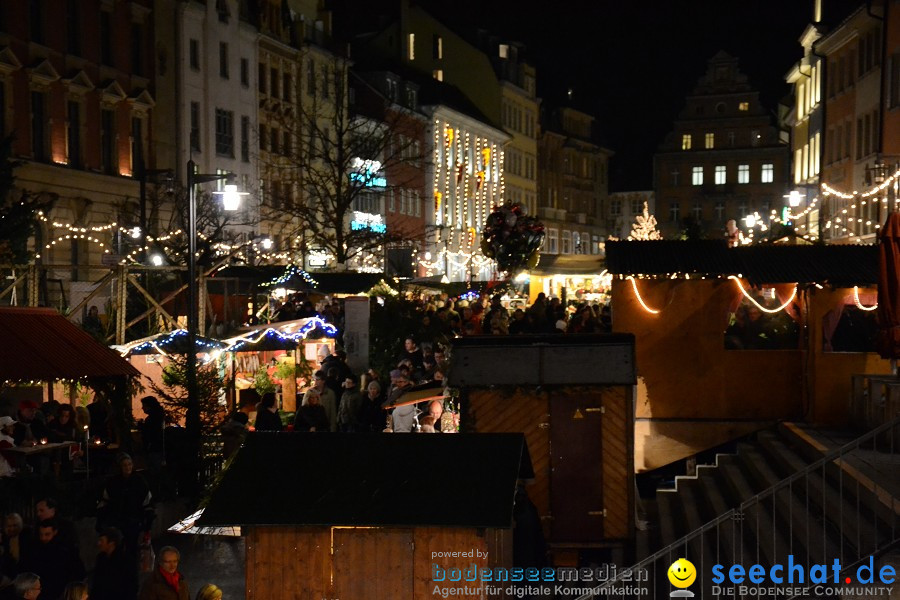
(512, 238)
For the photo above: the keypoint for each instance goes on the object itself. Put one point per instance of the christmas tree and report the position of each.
(644, 227)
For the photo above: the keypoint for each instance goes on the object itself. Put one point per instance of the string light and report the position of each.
(757, 304)
(859, 304)
(292, 271)
(637, 294)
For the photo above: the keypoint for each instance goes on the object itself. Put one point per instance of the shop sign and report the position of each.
(374, 223)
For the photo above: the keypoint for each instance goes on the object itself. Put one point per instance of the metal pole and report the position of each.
(192, 418)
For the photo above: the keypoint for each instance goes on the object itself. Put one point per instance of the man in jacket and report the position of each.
(166, 582)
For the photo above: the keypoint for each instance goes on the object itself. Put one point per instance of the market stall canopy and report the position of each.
(372, 480)
(568, 264)
(840, 265)
(313, 327)
(260, 341)
(292, 278)
(175, 342)
(41, 344)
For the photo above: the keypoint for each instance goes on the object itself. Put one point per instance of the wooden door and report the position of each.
(376, 564)
(576, 476)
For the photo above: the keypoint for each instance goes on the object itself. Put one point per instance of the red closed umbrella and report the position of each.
(889, 289)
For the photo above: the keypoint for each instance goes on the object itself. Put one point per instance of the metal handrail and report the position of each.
(733, 515)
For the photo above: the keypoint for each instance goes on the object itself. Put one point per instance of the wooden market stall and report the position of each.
(364, 515)
(571, 395)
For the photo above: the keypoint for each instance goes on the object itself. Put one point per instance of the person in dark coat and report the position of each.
(166, 582)
(48, 508)
(54, 562)
(62, 428)
(126, 503)
(114, 578)
(312, 416)
(16, 545)
(152, 429)
(267, 418)
(350, 411)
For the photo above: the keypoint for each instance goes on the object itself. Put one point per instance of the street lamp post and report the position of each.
(230, 201)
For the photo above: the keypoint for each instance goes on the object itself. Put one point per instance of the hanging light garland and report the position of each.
(637, 295)
(757, 304)
(859, 304)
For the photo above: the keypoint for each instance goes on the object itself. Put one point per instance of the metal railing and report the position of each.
(833, 508)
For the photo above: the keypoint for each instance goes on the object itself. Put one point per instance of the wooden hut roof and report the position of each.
(838, 265)
(41, 344)
(357, 479)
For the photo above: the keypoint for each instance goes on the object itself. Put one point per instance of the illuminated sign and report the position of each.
(317, 258)
(368, 173)
(374, 223)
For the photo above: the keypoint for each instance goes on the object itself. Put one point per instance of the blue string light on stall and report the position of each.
(470, 295)
(172, 344)
(276, 337)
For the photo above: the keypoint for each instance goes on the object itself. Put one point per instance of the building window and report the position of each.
(767, 174)
(697, 176)
(438, 47)
(137, 48)
(137, 144)
(674, 212)
(438, 74)
(731, 139)
(566, 242)
(39, 126)
(245, 72)
(686, 141)
(36, 21)
(710, 141)
(615, 208)
(310, 77)
(675, 175)
(105, 38)
(553, 241)
(743, 106)
(324, 89)
(194, 54)
(108, 141)
(743, 173)
(411, 50)
(411, 98)
(697, 211)
(245, 139)
(742, 209)
(720, 174)
(286, 87)
(223, 60)
(224, 133)
(73, 134)
(195, 127)
(73, 27)
(274, 145)
(720, 211)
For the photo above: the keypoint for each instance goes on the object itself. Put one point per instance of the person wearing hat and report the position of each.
(350, 410)
(29, 429)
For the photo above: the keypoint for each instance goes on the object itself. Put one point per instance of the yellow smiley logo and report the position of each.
(682, 573)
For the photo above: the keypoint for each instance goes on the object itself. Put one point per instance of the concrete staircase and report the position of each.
(845, 509)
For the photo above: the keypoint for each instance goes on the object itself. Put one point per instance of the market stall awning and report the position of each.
(40, 344)
(372, 480)
(189, 525)
(568, 264)
(174, 342)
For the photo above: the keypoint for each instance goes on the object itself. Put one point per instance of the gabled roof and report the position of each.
(113, 92)
(9, 62)
(379, 479)
(79, 82)
(41, 344)
(838, 265)
(44, 72)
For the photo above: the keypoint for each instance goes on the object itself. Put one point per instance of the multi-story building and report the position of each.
(857, 142)
(520, 117)
(572, 183)
(206, 84)
(806, 120)
(76, 94)
(724, 158)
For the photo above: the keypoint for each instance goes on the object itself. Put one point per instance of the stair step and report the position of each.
(807, 535)
(860, 534)
(665, 506)
(729, 549)
(756, 522)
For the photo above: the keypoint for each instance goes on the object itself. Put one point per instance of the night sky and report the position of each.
(631, 63)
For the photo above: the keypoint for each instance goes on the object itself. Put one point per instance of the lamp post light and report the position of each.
(231, 200)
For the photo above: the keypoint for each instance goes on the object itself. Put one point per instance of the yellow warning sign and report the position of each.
(578, 414)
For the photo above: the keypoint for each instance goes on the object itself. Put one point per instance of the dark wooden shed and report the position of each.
(572, 398)
(363, 515)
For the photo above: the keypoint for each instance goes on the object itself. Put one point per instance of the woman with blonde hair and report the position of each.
(76, 590)
(209, 592)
